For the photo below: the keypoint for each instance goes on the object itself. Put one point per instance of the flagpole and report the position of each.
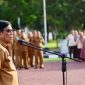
(45, 22)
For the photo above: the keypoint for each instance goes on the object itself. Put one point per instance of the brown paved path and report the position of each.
(52, 74)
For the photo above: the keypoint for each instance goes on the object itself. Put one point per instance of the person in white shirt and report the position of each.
(72, 38)
(64, 46)
(71, 42)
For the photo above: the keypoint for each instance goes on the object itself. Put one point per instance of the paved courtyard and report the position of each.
(52, 74)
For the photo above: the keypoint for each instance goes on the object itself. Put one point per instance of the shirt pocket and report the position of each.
(7, 60)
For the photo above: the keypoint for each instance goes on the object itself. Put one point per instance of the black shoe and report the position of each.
(36, 67)
(26, 68)
(41, 66)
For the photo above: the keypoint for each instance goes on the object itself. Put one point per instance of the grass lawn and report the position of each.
(51, 44)
(54, 59)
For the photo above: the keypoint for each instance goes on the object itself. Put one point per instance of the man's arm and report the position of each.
(1, 58)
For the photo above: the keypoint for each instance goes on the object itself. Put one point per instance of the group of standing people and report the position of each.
(76, 40)
(28, 56)
(74, 44)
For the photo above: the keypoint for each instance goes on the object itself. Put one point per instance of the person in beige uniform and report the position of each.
(30, 49)
(24, 52)
(39, 41)
(79, 44)
(13, 47)
(17, 50)
(8, 73)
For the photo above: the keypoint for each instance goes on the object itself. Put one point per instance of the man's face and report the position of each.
(7, 34)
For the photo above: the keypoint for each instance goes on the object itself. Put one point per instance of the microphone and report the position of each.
(26, 43)
(21, 40)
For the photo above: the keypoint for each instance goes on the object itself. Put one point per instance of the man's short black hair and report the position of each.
(4, 24)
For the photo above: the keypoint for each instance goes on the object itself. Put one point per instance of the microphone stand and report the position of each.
(63, 68)
(63, 56)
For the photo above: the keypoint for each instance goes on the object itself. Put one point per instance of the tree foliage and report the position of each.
(62, 15)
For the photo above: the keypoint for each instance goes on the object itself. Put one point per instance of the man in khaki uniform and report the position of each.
(39, 41)
(24, 52)
(17, 50)
(8, 73)
(30, 49)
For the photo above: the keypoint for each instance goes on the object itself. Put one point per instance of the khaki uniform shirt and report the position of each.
(23, 48)
(39, 42)
(8, 73)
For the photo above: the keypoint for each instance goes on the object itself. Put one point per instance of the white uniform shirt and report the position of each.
(63, 46)
(71, 41)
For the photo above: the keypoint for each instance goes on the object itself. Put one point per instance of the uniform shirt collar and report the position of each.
(3, 44)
